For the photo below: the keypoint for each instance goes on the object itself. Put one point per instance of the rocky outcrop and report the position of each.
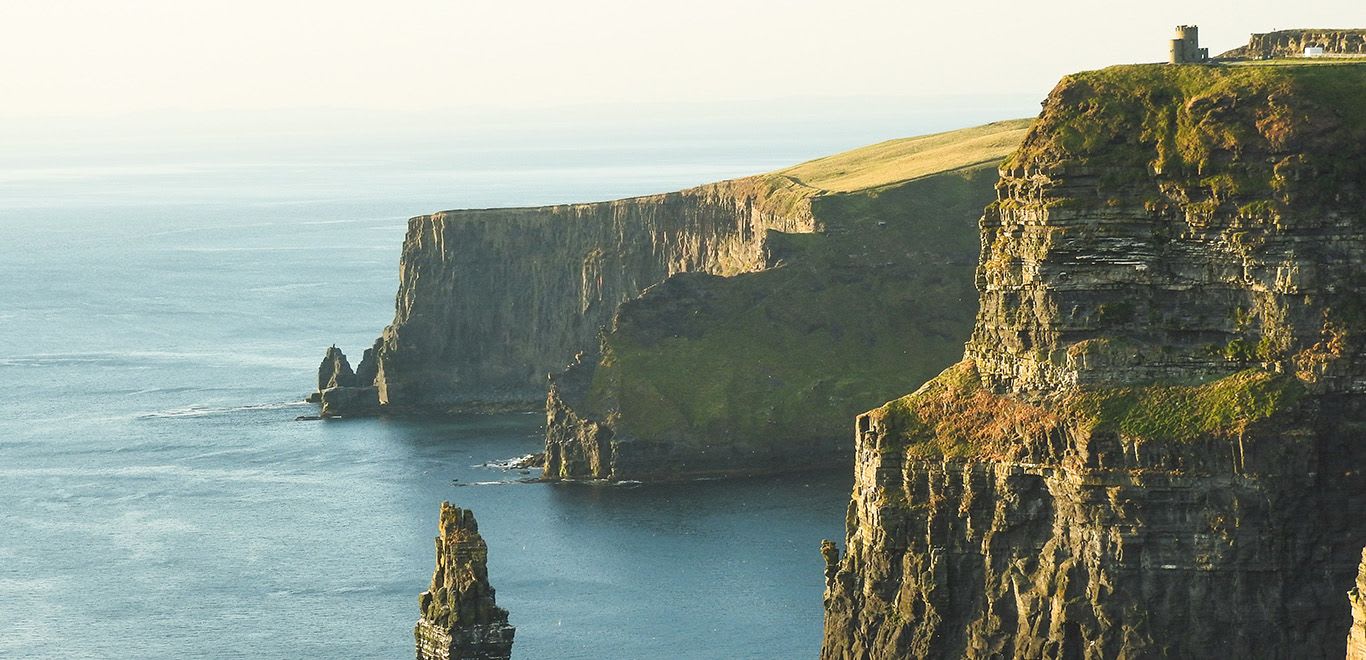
(1356, 637)
(1152, 445)
(1291, 43)
(460, 620)
(343, 392)
(705, 376)
(335, 370)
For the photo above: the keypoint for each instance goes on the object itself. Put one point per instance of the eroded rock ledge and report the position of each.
(1152, 448)
(460, 619)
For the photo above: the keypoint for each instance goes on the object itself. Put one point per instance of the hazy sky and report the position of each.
(131, 56)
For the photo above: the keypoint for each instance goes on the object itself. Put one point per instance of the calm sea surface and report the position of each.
(160, 319)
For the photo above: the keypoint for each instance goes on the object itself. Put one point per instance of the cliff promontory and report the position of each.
(460, 620)
(759, 372)
(1152, 446)
(492, 300)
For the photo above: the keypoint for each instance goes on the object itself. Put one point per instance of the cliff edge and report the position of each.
(1152, 445)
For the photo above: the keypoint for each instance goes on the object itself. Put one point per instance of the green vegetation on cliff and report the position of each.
(1182, 413)
(953, 416)
(1195, 124)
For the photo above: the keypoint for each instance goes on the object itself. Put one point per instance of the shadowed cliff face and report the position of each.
(757, 373)
(1356, 638)
(1153, 446)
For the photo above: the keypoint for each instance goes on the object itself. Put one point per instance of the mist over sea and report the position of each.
(167, 288)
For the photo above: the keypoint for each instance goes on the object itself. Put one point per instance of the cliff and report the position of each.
(492, 300)
(460, 620)
(1291, 43)
(759, 372)
(1151, 447)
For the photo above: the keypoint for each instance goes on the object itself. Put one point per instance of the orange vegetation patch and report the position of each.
(952, 416)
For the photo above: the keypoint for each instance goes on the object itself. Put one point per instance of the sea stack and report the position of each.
(460, 619)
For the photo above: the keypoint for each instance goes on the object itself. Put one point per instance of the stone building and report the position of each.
(1185, 48)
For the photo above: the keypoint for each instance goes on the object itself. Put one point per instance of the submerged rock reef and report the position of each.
(1152, 447)
(759, 372)
(460, 620)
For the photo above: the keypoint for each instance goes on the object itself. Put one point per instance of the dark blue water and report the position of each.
(160, 318)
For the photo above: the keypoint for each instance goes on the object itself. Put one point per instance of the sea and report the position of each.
(166, 293)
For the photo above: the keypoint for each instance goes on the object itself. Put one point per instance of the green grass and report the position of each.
(910, 158)
(1237, 136)
(1183, 413)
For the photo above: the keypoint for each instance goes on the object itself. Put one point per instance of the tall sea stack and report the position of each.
(460, 620)
(1153, 446)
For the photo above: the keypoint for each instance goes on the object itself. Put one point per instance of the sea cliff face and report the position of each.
(491, 301)
(759, 372)
(1152, 446)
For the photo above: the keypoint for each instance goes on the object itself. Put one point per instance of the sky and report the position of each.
(107, 80)
(94, 58)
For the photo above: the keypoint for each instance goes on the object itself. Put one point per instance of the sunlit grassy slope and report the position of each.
(899, 160)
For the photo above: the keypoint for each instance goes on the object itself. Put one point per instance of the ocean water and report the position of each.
(163, 312)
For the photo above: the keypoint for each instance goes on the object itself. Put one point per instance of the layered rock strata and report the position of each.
(759, 373)
(460, 619)
(1291, 43)
(1152, 447)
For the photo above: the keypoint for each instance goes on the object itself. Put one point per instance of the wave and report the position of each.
(205, 411)
(140, 358)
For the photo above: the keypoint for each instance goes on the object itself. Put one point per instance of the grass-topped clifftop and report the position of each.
(900, 160)
(1250, 132)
